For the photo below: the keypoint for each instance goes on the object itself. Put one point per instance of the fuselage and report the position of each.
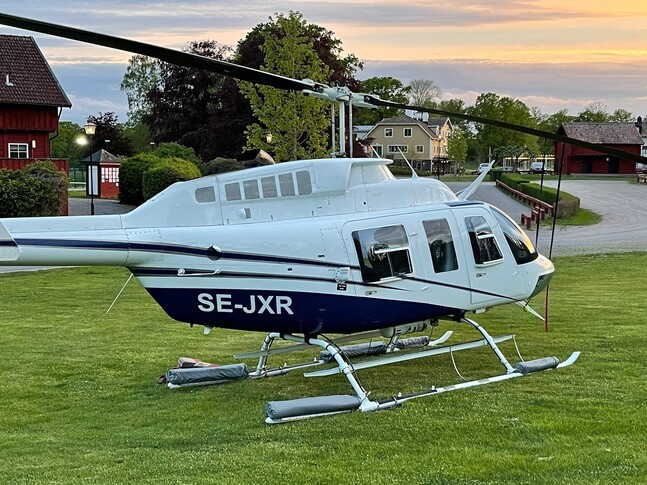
(315, 246)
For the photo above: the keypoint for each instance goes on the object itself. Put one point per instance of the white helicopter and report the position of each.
(305, 249)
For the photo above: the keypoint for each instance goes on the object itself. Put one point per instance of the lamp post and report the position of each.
(90, 128)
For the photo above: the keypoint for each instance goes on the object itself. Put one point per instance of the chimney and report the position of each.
(639, 124)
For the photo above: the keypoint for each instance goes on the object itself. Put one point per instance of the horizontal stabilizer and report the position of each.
(9, 250)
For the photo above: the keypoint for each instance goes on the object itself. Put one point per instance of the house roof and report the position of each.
(604, 133)
(102, 156)
(25, 75)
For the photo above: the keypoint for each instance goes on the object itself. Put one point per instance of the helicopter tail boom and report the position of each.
(70, 241)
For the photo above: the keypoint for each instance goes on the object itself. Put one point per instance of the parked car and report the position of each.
(537, 167)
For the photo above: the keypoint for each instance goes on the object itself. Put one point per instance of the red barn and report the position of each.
(621, 136)
(31, 101)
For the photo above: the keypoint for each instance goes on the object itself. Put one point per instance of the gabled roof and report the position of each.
(25, 75)
(604, 133)
(102, 156)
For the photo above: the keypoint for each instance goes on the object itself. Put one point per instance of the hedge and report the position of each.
(568, 204)
(131, 173)
(36, 190)
(167, 172)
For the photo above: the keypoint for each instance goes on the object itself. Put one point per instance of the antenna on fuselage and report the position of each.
(414, 175)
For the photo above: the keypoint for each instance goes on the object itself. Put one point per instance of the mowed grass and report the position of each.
(80, 402)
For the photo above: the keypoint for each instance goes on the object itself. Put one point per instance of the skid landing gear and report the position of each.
(305, 408)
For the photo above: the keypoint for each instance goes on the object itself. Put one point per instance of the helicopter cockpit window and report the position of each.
(383, 252)
(519, 242)
(441, 245)
(484, 245)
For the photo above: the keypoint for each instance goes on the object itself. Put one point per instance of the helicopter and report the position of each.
(306, 249)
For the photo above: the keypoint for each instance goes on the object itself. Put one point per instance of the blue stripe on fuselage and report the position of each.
(289, 311)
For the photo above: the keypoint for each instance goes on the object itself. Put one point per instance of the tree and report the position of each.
(594, 113)
(621, 115)
(109, 135)
(66, 142)
(186, 101)
(423, 92)
(387, 88)
(142, 76)
(457, 146)
(298, 124)
(492, 106)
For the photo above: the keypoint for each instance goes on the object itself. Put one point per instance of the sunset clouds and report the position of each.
(550, 54)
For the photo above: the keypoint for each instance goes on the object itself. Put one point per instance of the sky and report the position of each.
(550, 54)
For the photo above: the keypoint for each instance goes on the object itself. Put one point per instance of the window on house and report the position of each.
(397, 148)
(407, 132)
(383, 253)
(388, 132)
(18, 150)
(484, 245)
(378, 150)
(420, 149)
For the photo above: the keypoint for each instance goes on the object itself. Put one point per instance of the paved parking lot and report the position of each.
(621, 204)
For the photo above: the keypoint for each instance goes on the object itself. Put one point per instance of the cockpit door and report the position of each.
(493, 274)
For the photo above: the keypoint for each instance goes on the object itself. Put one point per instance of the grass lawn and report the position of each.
(80, 403)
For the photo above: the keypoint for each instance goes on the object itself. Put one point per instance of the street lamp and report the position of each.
(90, 128)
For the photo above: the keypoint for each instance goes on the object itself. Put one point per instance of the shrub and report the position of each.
(131, 173)
(222, 165)
(513, 180)
(175, 150)
(37, 190)
(165, 173)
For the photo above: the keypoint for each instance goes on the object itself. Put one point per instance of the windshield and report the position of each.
(520, 244)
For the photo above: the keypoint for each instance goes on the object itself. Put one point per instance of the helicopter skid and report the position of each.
(299, 409)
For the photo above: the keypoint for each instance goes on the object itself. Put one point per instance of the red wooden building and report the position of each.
(621, 136)
(103, 181)
(31, 100)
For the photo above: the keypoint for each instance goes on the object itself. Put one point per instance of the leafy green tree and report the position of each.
(387, 88)
(457, 145)
(139, 136)
(594, 113)
(621, 115)
(493, 106)
(66, 143)
(298, 124)
(186, 102)
(142, 76)
(109, 135)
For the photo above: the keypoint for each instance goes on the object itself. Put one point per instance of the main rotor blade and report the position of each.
(511, 126)
(172, 56)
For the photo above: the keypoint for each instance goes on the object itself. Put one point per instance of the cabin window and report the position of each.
(232, 191)
(18, 150)
(205, 194)
(407, 132)
(250, 187)
(441, 245)
(519, 242)
(304, 183)
(484, 245)
(388, 132)
(268, 184)
(287, 184)
(383, 253)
